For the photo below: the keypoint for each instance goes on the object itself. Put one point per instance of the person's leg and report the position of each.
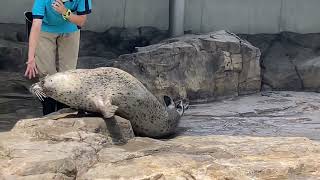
(46, 52)
(68, 50)
(46, 64)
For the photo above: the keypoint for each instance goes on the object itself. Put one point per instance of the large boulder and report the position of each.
(289, 61)
(197, 67)
(61, 145)
(66, 125)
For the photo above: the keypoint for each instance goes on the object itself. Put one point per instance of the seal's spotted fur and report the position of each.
(112, 91)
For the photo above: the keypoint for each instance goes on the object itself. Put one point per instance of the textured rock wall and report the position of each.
(197, 67)
(289, 61)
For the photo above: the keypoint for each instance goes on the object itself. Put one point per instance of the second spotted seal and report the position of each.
(111, 91)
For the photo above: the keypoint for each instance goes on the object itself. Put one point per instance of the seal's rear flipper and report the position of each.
(106, 108)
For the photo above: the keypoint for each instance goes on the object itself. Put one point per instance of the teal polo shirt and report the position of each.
(53, 22)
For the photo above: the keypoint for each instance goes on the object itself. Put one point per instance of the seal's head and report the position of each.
(54, 85)
(37, 90)
(178, 107)
(175, 111)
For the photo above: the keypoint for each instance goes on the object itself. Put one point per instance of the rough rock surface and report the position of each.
(289, 61)
(219, 141)
(210, 157)
(58, 146)
(13, 32)
(266, 115)
(91, 62)
(116, 41)
(206, 157)
(197, 67)
(13, 55)
(127, 39)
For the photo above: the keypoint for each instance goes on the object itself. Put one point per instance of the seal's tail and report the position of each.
(36, 90)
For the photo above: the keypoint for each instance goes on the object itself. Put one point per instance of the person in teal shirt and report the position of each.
(51, 11)
(54, 40)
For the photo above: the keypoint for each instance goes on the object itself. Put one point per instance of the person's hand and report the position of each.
(32, 70)
(59, 7)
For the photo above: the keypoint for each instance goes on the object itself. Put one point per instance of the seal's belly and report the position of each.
(147, 117)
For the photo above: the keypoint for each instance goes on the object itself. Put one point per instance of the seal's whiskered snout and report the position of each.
(36, 90)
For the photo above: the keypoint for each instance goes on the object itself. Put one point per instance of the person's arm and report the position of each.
(38, 12)
(33, 41)
(33, 38)
(79, 20)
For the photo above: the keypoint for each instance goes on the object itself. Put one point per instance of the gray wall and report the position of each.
(253, 16)
(128, 13)
(239, 16)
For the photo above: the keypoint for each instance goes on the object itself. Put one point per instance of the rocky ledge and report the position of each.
(215, 141)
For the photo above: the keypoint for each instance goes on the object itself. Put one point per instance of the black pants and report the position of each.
(50, 105)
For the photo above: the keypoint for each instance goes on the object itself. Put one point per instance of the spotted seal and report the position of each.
(111, 91)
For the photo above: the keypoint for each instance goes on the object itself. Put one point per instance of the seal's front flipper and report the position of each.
(109, 111)
(106, 108)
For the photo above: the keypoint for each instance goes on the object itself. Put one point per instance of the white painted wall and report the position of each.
(239, 16)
